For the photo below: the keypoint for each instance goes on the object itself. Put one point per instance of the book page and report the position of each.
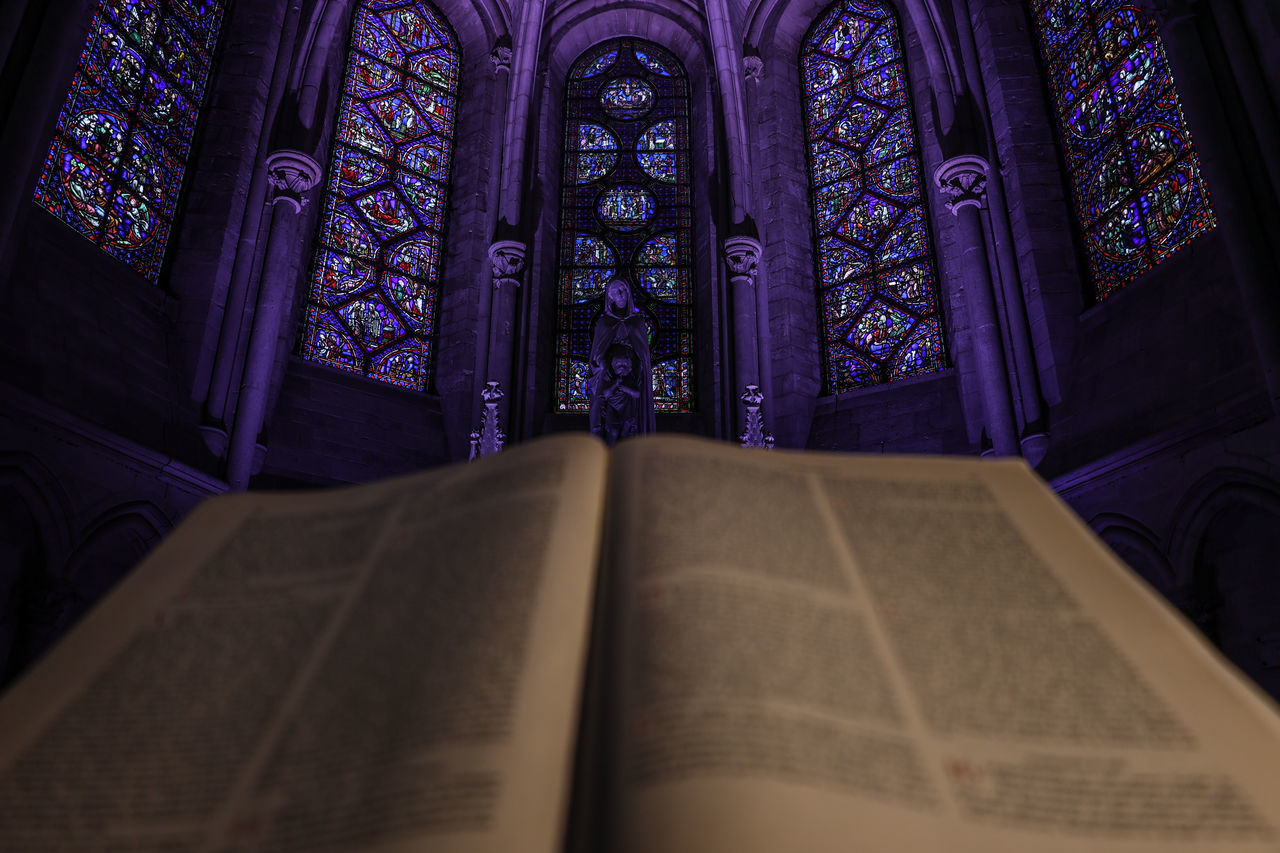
(387, 667)
(826, 652)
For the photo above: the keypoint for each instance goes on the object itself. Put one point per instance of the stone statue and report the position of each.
(621, 382)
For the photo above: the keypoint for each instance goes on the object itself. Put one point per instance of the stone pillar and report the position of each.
(215, 387)
(963, 180)
(500, 56)
(507, 260)
(1229, 190)
(523, 72)
(742, 256)
(290, 174)
(1034, 439)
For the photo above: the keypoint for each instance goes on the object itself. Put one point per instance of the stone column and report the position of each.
(216, 387)
(518, 60)
(963, 181)
(1034, 439)
(500, 55)
(291, 175)
(742, 256)
(507, 260)
(1233, 203)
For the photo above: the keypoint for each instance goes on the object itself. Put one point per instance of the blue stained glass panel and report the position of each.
(652, 60)
(876, 282)
(371, 308)
(626, 208)
(627, 98)
(598, 65)
(629, 216)
(1136, 185)
(116, 162)
(656, 151)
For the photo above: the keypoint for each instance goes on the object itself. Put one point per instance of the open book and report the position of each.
(675, 646)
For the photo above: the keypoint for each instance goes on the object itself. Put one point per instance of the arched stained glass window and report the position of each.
(115, 167)
(877, 289)
(372, 304)
(1135, 178)
(625, 212)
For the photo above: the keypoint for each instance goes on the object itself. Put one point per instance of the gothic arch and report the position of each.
(374, 301)
(1138, 546)
(111, 545)
(570, 32)
(1228, 546)
(1220, 490)
(877, 276)
(38, 489)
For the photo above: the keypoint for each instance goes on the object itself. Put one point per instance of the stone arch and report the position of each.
(570, 31)
(34, 539)
(1139, 547)
(1227, 550)
(109, 547)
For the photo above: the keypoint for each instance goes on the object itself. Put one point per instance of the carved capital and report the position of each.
(507, 258)
(963, 180)
(742, 254)
(291, 175)
(753, 68)
(500, 56)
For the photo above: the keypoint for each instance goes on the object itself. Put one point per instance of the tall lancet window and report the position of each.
(1135, 178)
(372, 304)
(115, 167)
(877, 289)
(625, 212)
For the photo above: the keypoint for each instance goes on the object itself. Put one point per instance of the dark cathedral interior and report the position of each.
(287, 244)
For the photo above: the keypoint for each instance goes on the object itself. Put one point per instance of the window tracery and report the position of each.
(374, 291)
(625, 211)
(877, 286)
(115, 167)
(1135, 178)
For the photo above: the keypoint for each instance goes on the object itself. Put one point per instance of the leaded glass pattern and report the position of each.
(877, 288)
(372, 304)
(115, 166)
(625, 211)
(1135, 178)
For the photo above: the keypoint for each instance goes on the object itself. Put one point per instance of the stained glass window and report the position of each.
(1135, 178)
(372, 304)
(877, 288)
(625, 212)
(115, 166)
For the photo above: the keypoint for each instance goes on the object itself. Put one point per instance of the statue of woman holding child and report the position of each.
(621, 381)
